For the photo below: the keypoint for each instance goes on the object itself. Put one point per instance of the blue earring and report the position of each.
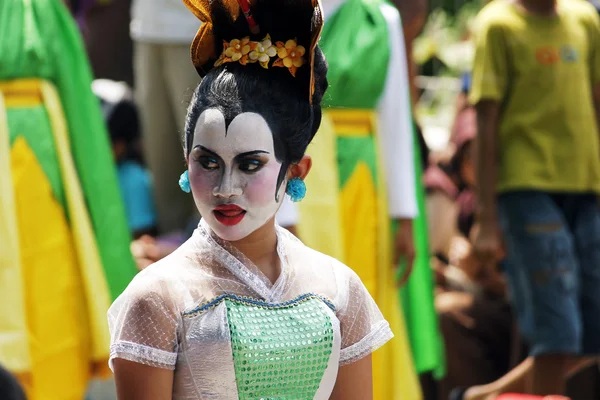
(184, 182)
(296, 189)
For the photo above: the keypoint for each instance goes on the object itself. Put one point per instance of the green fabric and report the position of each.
(355, 40)
(417, 295)
(351, 151)
(33, 125)
(279, 351)
(356, 35)
(39, 39)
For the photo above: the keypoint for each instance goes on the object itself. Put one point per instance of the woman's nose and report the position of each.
(228, 187)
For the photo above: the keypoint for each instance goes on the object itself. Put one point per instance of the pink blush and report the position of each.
(260, 190)
(202, 183)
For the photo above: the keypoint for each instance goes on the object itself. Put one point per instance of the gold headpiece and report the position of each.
(209, 51)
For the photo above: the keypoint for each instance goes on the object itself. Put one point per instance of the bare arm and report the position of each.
(354, 381)
(487, 242)
(141, 382)
(486, 159)
(597, 105)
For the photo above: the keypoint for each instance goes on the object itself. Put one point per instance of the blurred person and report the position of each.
(366, 186)
(414, 15)
(121, 116)
(447, 180)
(536, 85)
(475, 315)
(64, 237)
(108, 41)
(164, 77)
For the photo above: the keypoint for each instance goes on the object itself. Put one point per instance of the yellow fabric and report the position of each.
(358, 205)
(542, 70)
(56, 315)
(92, 273)
(21, 92)
(14, 350)
(58, 334)
(394, 373)
(351, 122)
(321, 202)
(364, 229)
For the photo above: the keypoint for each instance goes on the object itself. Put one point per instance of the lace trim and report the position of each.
(243, 268)
(258, 282)
(142, 354)
(379, 336)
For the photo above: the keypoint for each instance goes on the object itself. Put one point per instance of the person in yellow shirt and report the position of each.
(535, 81)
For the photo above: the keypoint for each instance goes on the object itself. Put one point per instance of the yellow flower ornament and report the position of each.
(263, 51)
(235, 51)
(291, 56)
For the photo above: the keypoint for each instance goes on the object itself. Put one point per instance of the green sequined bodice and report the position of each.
(280, 351)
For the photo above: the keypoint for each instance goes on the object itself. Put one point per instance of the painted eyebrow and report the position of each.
(239, 156)
(250, 153)
(212, 153)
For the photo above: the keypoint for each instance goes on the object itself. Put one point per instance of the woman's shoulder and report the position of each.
(309, 257)
(177, 280)
(331, 276)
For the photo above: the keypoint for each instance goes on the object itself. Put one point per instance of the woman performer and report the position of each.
(243, 310)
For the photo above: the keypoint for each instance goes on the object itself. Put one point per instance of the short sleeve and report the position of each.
(363, 328)
(594, 38)
(396, 133)
(489, 80)
(143, 324)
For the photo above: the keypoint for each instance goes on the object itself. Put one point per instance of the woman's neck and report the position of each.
(261, 248)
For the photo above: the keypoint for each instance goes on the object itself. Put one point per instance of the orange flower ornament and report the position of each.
(291, 56)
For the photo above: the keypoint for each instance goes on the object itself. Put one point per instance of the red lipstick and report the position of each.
(229, 214)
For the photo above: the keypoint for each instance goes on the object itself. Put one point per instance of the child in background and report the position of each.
(121, 116)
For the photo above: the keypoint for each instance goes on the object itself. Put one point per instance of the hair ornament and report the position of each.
(289, 55)
(254, 28)
(230, 34)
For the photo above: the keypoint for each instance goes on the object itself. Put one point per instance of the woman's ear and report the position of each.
(301, 169)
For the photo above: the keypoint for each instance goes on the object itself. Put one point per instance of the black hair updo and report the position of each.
(281, 99)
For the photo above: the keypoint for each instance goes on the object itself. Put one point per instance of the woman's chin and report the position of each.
(230, 233)
(233, 231)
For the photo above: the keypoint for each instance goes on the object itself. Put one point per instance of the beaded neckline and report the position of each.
(207, 305)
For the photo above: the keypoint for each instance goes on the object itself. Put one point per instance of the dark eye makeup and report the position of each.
(208, 162)
(248, 162)
(250, 165)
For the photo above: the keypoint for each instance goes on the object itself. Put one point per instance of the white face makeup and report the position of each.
(233, 173)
